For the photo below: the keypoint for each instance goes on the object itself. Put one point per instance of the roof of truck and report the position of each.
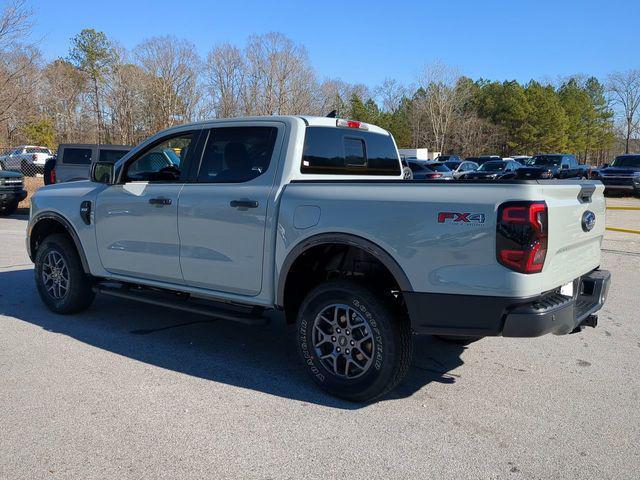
(310, 120)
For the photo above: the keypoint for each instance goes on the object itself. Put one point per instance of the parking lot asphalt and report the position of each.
(126, 390)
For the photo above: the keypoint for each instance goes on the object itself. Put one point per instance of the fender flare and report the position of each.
(340, 239)
(68, 228)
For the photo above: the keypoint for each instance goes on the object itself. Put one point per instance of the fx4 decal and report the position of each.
(461, 217)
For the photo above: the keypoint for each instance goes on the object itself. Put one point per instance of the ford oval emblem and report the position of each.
(588, 221)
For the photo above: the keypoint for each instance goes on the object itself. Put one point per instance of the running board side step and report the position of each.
(181, 301)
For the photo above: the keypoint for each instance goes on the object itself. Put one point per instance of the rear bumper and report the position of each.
(467, 315)
(12, 196)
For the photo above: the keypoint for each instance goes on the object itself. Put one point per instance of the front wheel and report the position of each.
(352, 344)
(62, 284)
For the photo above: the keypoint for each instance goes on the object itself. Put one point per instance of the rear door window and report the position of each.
(76, 156)
(338, 151)
(237, 154)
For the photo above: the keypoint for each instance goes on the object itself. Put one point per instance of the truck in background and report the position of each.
(73, 160)
(417, 154)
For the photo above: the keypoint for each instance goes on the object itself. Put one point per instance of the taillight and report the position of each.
(433, 175)
(351, 124)
(52, 176)
(522, 236)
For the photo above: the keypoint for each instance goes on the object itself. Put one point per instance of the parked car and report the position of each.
(459, 167)
(27, 159)
(622, 176)
(482, 159)
(555, 166)
(73, 161)
(494, 170)
(12, 191)
(429, 170)
(309, 216)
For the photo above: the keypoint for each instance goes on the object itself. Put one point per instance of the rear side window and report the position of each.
(337, 151)
(111, 156)
(76, 156)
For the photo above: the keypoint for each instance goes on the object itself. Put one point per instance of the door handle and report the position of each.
(243, 204)
(160, 201)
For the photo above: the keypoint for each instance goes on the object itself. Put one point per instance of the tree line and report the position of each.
(102, 92)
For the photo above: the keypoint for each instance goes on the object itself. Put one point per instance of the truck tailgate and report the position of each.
(572, 250)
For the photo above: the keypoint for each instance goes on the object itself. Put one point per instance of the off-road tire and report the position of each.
(79, 294)
(391, 332)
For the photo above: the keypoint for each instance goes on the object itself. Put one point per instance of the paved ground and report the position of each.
(132, 391)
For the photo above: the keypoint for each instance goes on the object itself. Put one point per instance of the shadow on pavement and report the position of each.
(261, 358)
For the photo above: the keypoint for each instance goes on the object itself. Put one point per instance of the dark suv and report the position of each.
(12, 191)
(623, 175)
(556, 165)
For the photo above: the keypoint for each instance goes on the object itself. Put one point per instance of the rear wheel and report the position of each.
(8, 209)
(352, 344)
(62, 284)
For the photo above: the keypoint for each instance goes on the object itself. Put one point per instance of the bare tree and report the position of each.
(225, 71)
(473, 136)
(173, 92)
(335, 94)
(18, 65)
(62, 88)
(15, 24)
(126, 103)
(278, 78)
(624, 91)
(443, 99)
(390, 93)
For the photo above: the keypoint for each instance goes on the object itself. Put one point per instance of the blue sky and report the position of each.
(367, 41)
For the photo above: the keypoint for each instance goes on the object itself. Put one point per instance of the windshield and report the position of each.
(492, 167)
(546, 160)
(626, 161)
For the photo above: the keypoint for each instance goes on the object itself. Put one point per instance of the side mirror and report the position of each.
(565, 166)
(102, 172)
(605, 165)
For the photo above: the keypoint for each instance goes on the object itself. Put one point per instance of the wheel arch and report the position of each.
(343, 240)
(47, 223)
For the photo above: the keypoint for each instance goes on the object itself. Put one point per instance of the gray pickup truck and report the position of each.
(311, 216)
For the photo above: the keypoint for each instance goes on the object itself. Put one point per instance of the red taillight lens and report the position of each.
(340, 122)
(433, 175)
(52, 176)
(521, 236)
